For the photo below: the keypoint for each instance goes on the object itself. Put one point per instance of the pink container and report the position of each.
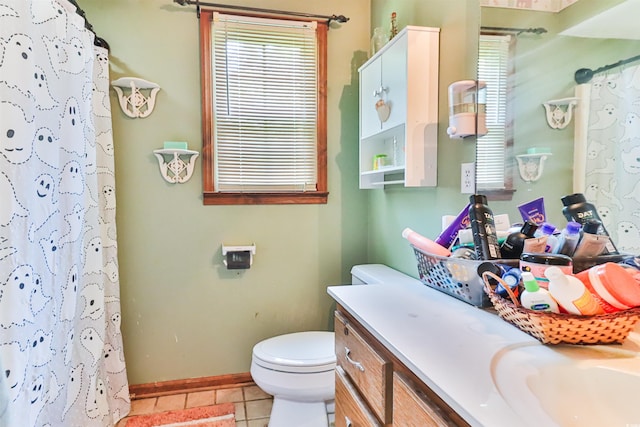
(537, 264)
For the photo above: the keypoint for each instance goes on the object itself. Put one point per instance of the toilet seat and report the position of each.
(299, 352)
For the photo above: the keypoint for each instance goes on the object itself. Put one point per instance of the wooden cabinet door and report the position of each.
(366, 368)
(411, 408)
(351, 410)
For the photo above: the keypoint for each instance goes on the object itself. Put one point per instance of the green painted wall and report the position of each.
(183, 314)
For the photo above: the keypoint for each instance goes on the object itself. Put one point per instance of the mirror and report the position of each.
(588, 125)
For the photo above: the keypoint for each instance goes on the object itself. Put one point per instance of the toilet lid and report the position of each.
(312, 351)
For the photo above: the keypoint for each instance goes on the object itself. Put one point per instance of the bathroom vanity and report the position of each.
(409, 355)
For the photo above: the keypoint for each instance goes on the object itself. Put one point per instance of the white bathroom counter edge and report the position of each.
(445, 342)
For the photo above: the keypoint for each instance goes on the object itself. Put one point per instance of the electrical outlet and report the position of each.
(468, 178)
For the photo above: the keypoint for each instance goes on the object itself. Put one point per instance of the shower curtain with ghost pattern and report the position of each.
(612, 172)
(61, 350)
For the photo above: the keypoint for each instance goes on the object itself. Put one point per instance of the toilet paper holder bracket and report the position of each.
(238, 257)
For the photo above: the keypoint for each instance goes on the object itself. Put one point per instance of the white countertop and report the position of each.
(447, 343)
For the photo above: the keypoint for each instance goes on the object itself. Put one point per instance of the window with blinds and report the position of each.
(267, 119)
(495, 68)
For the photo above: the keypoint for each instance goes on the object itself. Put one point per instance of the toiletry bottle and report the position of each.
(568, 239)
(535, 245)
(548, 229)
(571, 294)
(536, 298)
(500, 271)
(485, 238)
(591, 243)
(424, 243)
(464, 253)
(450, 233)
(513, 245)
(512, 277)
(393, 27)
(576, 208)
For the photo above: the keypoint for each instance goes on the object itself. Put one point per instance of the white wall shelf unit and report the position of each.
(399, 111)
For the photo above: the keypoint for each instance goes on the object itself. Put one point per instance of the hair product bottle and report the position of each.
(485, 238)
(513, 245)
(591, 243)
(547, 229)
(571, 294)
(568, 239)
(576, 208)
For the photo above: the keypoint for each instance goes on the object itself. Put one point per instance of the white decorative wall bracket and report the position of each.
(531, 166)
(173, 167)
(135, 103)
(559, 112)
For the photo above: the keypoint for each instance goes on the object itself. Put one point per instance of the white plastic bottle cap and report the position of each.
(406, 232)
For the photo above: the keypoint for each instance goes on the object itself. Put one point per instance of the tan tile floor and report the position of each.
(253, 406)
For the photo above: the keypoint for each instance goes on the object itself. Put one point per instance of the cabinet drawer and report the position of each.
(413, 408)
(351, 411)
(367, 369)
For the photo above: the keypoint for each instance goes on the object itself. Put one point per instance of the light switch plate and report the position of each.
(468, 178)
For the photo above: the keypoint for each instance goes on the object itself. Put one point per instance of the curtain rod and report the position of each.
(338, 18)
(518, 31)
(98, 41)
(584, 75)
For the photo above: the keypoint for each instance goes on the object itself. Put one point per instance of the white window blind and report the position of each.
(493, 68)
(265, 104)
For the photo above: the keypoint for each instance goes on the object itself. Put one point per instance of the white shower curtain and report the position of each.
(608, 164)
(60, 344)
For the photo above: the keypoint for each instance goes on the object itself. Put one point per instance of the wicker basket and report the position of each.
(552, 328)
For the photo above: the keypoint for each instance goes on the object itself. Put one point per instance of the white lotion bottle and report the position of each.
(536, 298)
(571, 294)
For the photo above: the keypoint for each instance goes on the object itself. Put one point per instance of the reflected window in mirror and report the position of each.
(494, 151)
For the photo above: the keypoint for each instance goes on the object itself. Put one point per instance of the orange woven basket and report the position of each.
(552, 328)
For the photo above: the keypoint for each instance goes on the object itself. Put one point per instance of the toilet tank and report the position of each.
(379, 273)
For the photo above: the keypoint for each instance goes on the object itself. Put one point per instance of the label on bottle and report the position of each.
(587, 304)
(586, 215)
(543, 306)
(485, 238)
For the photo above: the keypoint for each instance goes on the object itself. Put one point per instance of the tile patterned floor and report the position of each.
(253, 406)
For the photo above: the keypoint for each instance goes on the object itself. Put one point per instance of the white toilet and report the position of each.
(298, 369)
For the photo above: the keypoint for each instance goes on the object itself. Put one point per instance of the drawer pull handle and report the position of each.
(348, 422)
(353, 362)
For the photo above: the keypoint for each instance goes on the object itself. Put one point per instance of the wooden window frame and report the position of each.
(212, 197)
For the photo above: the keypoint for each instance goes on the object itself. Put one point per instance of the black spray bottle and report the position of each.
(485, 238)
(576, 208)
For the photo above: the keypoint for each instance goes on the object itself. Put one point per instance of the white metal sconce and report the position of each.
(171, 159)
(531, 166)
(136, 104)
(559, 112)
